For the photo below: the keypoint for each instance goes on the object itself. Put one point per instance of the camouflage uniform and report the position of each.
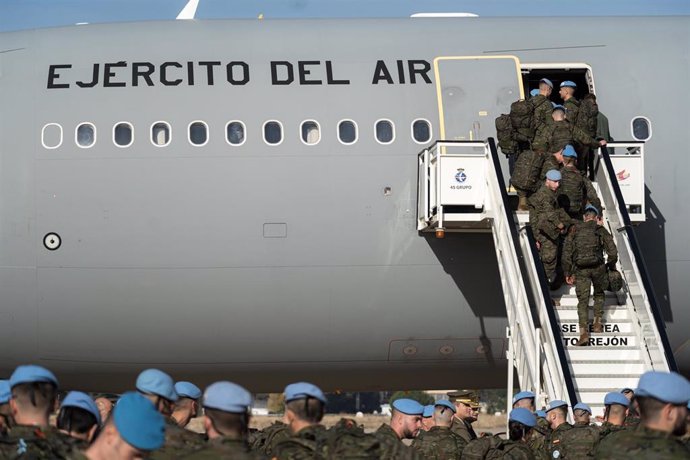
(580, 442)
(463, 429)
(178, 441)
(544, 217)
(391, 446)
(592, 237)
(573, 191)
(541, 120)
(439, 443)
(33, 442)
(305, 444)
(631, 421)
(607, 428)
(225, 448)
(550, 162)
(572, 107)
(556, 440)
(642, 443)
(265, 440)
(561, 133)
(496, 447)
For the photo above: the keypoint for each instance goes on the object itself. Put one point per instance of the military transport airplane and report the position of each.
(237, 198)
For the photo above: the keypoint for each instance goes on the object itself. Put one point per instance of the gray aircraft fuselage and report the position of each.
(265, 264)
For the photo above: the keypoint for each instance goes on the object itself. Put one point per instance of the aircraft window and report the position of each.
(641, 129)
(385, 132)
(198, 133)
(273, 132)
(86, 135)
(347, 132)
(311, 134)
(51, 136)
(123, 135)
(234, 133)
(421, 131)
(160, 134)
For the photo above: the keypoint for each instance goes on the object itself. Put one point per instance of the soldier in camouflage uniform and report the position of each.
(427, 418)
(266, 440)
(615, 410)
(134, 430)
(583, 265)
(159, 388)
(540, 435)
(633, 417)
(465, 401)
(5, 412)
(542, 113)
(663, 399)
(33, 398)
(554, 161)
(580, 442)
(226, 421)
(575, 189)
(440, 443)
(521, 422)
(561, 132)
(570, 102)
(556, 415)
(187, 404)
(79, 418)
(548, 223)
(406, 423)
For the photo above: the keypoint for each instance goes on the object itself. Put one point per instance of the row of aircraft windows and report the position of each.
(235, 133)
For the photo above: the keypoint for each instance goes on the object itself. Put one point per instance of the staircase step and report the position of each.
(603, 353)
(616, 382)
(611, 314)
(585, 367)
(571, 301)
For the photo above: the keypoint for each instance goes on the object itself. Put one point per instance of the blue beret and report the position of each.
(31, 374)
(523, 416)
(428, 411)
(589, 207)
(82, 401)
(553, 174)
(446, 403)
(138, 422)
(616, 398)
(668, 387)
(558, 107)
(5, 391)
(302, 390)
(408, 406)
(187, 390)
(228, 397)
(541, 413)
(556, 403)
(523, 395)
(534, 92)
(569, 151)
(568, 84)
(156, 382)
(547, 81)
(584, 407)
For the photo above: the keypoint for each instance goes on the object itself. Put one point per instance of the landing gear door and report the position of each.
(472, 91)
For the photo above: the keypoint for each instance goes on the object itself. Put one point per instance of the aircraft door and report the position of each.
(472, 91)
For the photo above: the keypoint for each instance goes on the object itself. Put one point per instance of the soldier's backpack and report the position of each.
(347, 440)
(504, 135)
(615, 280)
(589, 250)
(561, 135)
(521, 113)
(489, 447)
(527, 171)
(265, 440)
(587, 116)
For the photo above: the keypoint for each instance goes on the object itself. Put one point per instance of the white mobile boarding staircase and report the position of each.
(461, 189)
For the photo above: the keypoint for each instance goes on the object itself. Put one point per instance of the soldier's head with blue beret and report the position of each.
(524, 399)
(227, 410)
(553, 179)
(406, 418)
(159, 388)
(615, 408)
(582, 413)
(545, 83)
(187, 405)
(662, 398)
(591, 212)
(134, 429)
(569, 152)
(78, 416)
(305, 405)
(444, 413)
(556, 413)
(34, 395)
(567, 89)
(558, 113)
(428, 417)
(520, 423)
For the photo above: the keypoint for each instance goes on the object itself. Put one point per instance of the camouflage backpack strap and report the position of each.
(266, 439)
(348, 440)
(296, 448)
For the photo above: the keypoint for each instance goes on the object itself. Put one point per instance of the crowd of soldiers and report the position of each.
(552, 156)
(648, 422)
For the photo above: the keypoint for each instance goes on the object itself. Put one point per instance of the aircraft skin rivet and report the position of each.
(52, 241)
(446, 350)
(410, 350)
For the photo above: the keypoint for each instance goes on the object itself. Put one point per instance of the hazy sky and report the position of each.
(26, 14)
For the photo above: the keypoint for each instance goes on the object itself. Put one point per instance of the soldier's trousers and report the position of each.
(549, 256)
(584, 278)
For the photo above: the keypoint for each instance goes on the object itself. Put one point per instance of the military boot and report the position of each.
(584, 336)
(522, 204)
(597, 326)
